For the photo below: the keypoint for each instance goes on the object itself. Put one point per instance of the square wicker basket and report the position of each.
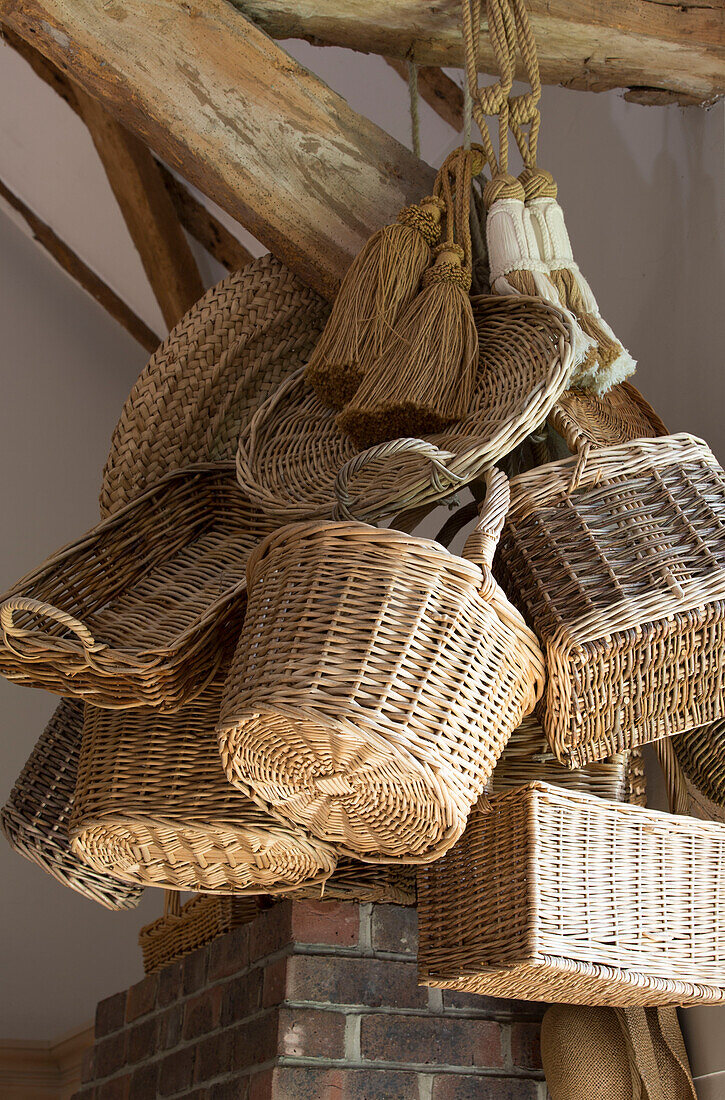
(554, 895)
(617, 559)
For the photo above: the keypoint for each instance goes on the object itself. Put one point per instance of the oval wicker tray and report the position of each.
(288, 461)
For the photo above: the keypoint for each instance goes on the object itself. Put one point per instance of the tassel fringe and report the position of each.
(378, 286)
(424, 378)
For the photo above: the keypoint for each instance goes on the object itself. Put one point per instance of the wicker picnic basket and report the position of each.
(528, 758)
(617, 559)
(289, 460)
(376, 681)
(153, 807)
(141, 610)
(555, 895)
(36, 815)
(185, 928)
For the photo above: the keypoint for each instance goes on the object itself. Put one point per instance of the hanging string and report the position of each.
(414, 106)
(467, 114)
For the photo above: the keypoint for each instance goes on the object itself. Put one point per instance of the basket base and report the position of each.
(554, 979)
(206, 859)
(347, 785)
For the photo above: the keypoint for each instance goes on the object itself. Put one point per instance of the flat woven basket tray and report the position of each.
(289, 460)
(618, 416)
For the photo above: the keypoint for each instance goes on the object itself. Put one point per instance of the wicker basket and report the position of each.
(528, 758)
(141, 609)
(153, 807)
(288, 462)
(701, 756)
(553, 895)
(365, 883)
(376, 682)
(36, 815)
(617, 557)
(619, 416)
(185, 928)
(205, 382)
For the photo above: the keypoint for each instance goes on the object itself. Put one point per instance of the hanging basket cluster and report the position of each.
(267, 694)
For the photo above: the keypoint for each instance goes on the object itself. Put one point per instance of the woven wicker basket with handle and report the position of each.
(555, 895)
(140, 610)
(376, 681)
(617, 558)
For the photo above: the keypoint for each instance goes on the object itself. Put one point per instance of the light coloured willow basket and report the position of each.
(142, 609)
(289, 459)
(153, 807)
(555, 895)
(376, 681)
(616, 556)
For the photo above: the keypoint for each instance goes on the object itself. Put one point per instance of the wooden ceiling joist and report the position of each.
(224, 105)
(196, 218)
(147, 209)
(80, 272)
(676, 46)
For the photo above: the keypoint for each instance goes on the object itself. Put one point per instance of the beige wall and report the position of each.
(643, 191)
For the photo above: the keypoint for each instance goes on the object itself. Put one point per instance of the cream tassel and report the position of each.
(611, 362)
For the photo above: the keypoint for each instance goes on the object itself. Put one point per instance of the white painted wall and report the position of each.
(643, 191)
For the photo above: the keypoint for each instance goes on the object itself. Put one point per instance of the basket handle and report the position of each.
(480, 546)
(441, 476)
(44, 610)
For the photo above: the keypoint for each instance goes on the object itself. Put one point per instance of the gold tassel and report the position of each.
(609, 362)
(379, 284)
(424, 377)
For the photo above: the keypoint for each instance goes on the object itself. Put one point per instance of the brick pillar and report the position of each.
(311, 1001)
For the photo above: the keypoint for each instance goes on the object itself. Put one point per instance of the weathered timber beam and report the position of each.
(196, 219)
(203, 226)
(147, 210)
(675, 45)
(437, 90)
(224, 105)
(74, 266)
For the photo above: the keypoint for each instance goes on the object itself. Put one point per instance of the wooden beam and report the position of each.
(74, 266)
(203, 226)
(675, 45)
(239, 118)
(193, 215)
(437, 89)
(147, 209)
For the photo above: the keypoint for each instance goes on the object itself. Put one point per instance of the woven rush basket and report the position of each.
(289, 460)
(201, 388)
(555, 895)
(617, 558)
(185, 928)
(141, 609)
(36, 815)
(528, 758)
(153, 807)
(619, 416)
(376, 682)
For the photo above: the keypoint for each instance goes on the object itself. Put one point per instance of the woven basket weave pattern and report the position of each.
(289, 461)
(36, 815)
(375, 684)
(159, 588)
(153, 807)
(199, 921)
(555, 895)
(623, 579)
(605, 420)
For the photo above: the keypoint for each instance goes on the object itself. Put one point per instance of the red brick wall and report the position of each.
(311, 1001)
